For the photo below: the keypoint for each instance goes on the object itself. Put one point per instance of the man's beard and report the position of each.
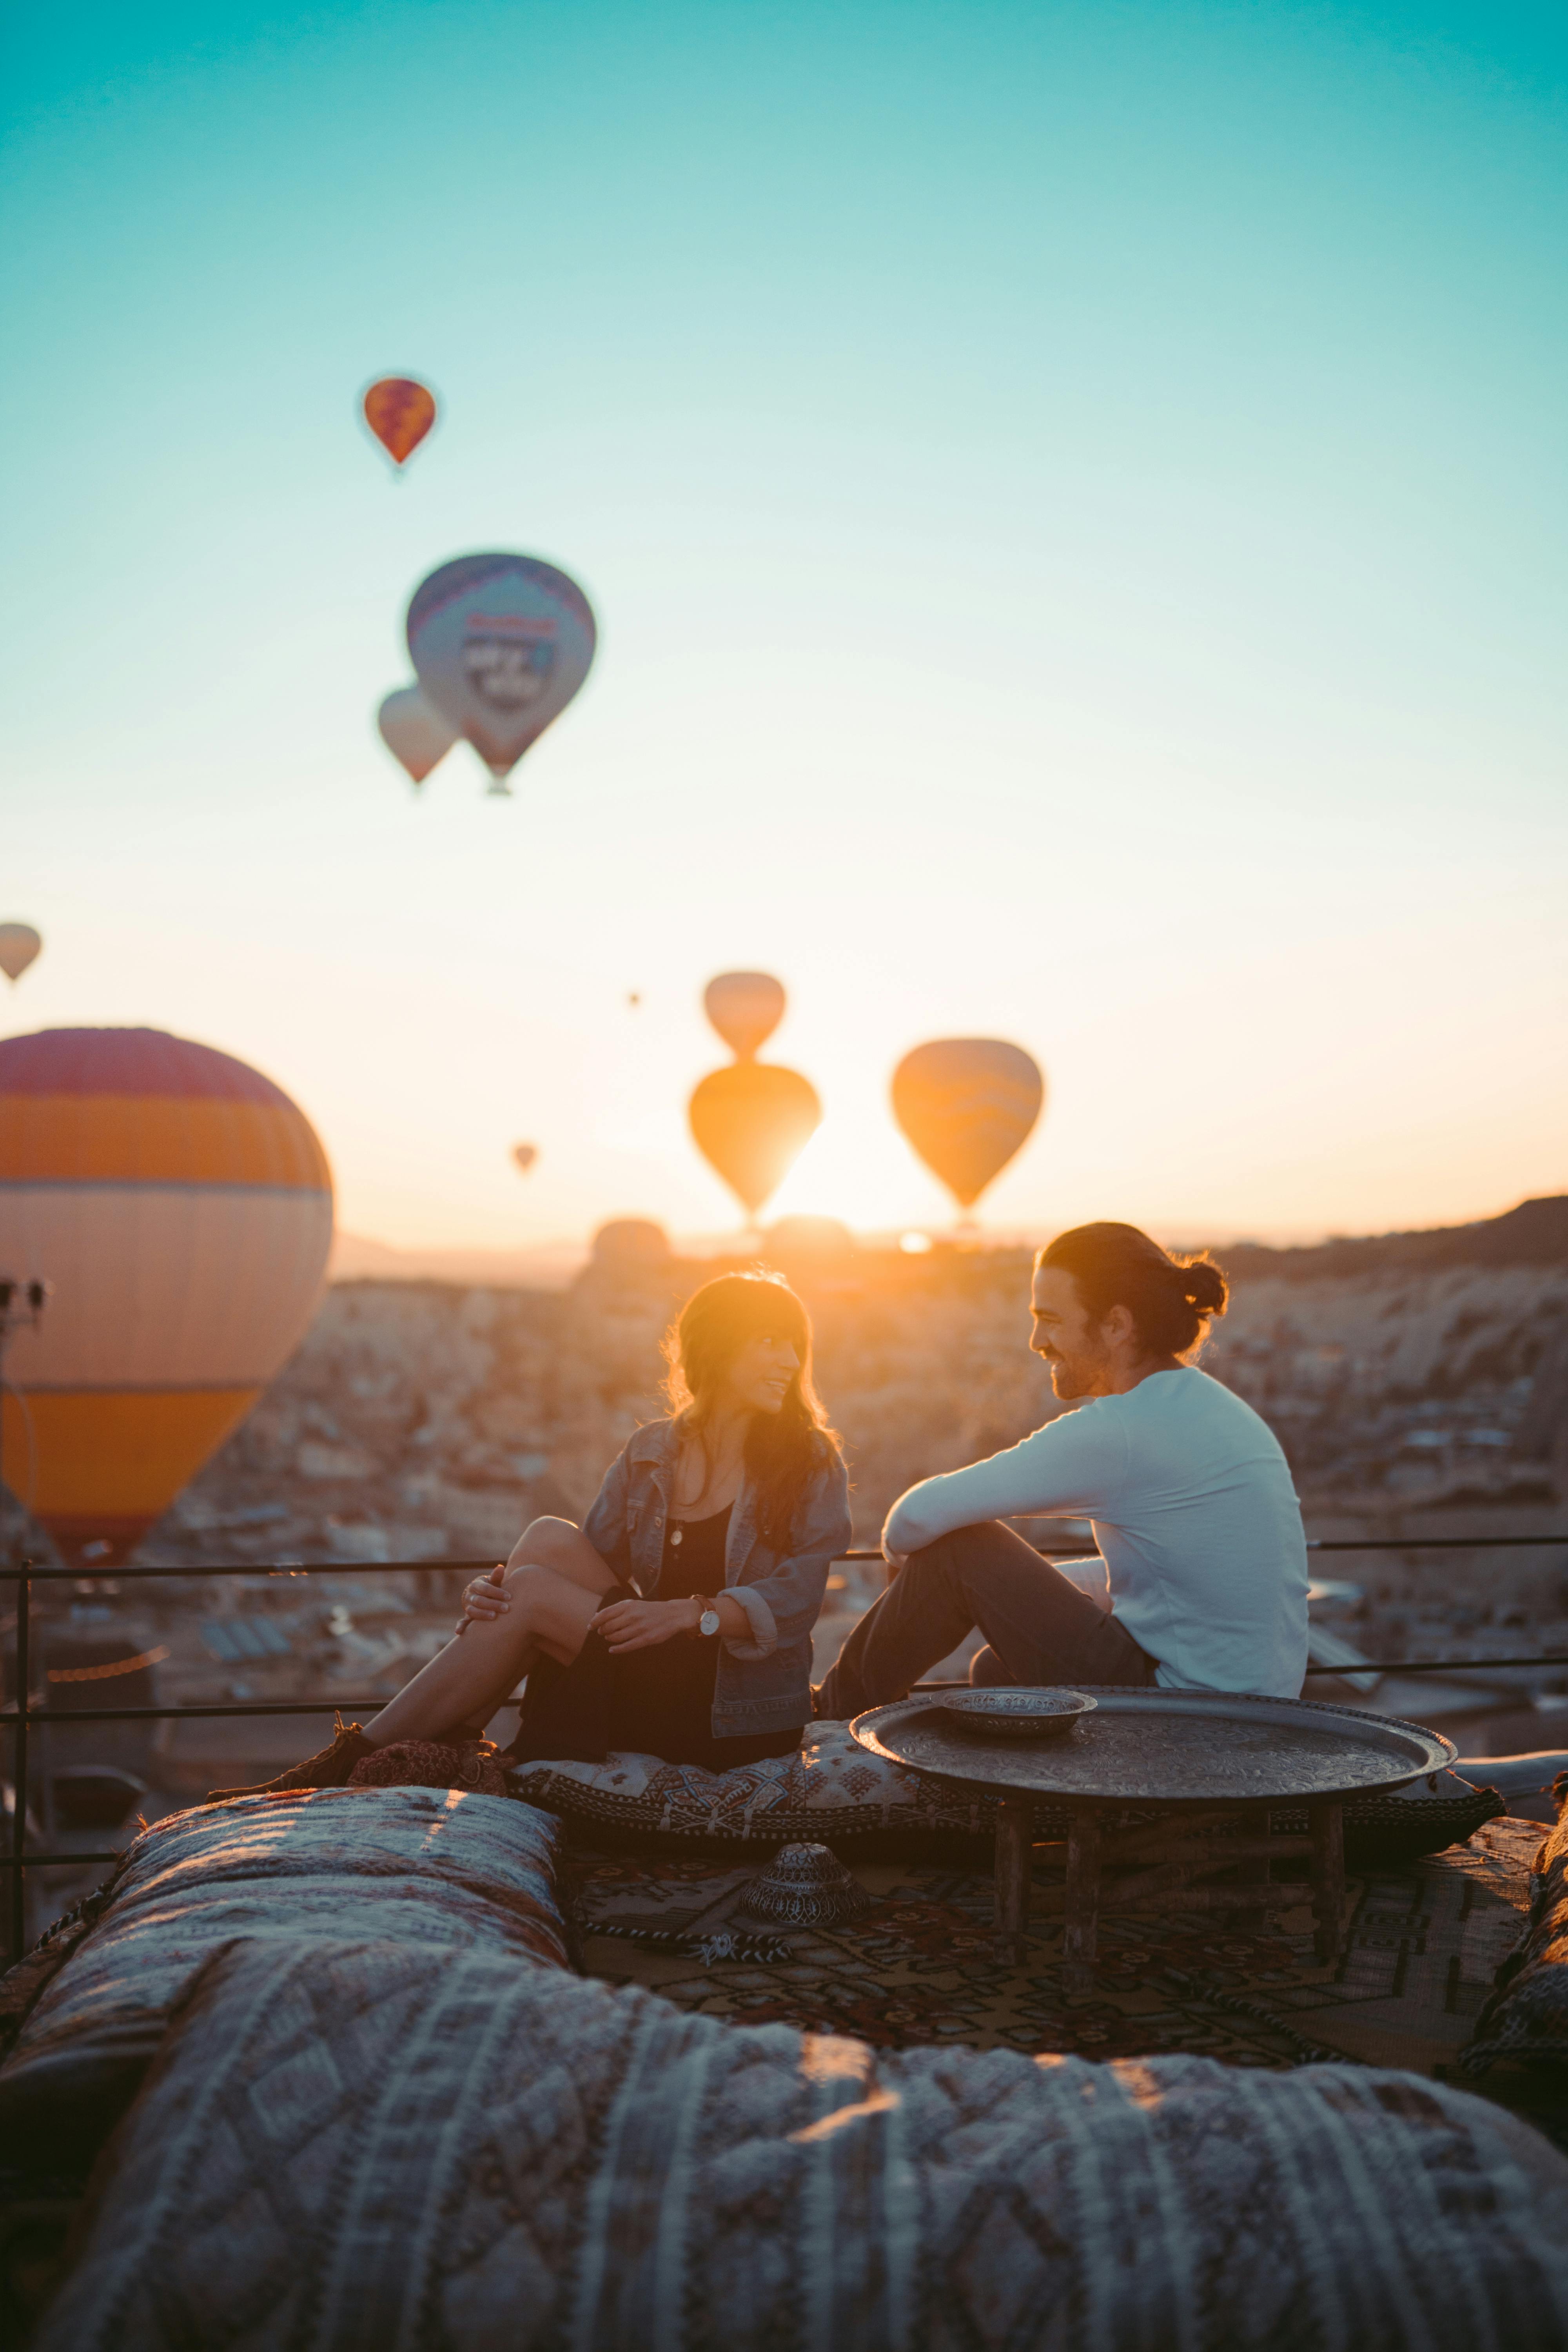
(1073, 1376)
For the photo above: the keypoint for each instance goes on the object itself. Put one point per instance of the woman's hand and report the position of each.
(483, 1599)
(640, 1624)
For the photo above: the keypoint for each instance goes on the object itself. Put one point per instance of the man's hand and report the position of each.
(641, 1624)
(895, 1559)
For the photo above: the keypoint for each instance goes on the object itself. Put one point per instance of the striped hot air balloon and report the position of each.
(180, 1207)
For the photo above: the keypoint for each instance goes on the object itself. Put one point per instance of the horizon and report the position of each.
(1072, 500)
(553, 1260)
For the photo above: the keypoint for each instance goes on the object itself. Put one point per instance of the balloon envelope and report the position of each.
(399, 411)
(745, 1007)
(416, 734)
(524, 1155)
(181, 1206)
(750, 1122)
(19, 944)
(501, 643)
(966, 1104)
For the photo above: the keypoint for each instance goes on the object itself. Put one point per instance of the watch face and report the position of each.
(708, 1622)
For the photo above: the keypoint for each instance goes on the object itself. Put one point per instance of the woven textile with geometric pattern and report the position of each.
(369, 2147)
(88, 2011)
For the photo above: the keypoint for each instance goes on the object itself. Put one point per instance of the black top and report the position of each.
(653, 1702)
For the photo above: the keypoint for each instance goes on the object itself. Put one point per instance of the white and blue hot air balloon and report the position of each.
(501, 643)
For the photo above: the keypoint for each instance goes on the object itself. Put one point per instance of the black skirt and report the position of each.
(653, 1702)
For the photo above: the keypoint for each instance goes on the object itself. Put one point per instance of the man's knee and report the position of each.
(957, 1554)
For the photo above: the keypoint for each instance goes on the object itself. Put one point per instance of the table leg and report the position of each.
(1082, 1901)
(1015, 1840)
(1255, 1873)
(1327, 1825)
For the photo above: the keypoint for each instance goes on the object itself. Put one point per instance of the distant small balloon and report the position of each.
(399, 412)
(751, 1121)
(19, 946)
(745, 1007)
(416, 734)
(967, 1104)
(633, 998)
(524, 1155)
(501, 643)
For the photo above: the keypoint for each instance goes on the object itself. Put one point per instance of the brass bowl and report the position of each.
(1017, 1713)
(803, 1886)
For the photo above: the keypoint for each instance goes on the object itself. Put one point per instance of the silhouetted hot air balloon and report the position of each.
(751, 1121)
(416, 734)
(966, 1104)
(399, 411)
(745, 1007)
(501, 643)
(180, 1207)
(524, 1155)
(20, 945)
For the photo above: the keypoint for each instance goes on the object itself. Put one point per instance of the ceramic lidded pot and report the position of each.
(803, 1886)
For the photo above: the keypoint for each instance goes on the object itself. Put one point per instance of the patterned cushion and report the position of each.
(1527, 2016)
(836, 1791)
(382, 2145)
(832, 1789)
(418, 1866)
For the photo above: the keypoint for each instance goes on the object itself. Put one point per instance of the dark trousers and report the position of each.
(1040, 1628)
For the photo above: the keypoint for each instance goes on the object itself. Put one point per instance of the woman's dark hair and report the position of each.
(784, 1450)
(1169, 1298)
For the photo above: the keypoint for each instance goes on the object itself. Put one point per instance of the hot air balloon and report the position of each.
(19, 944)
(745, 1007)
(524, 1155)
(399, 411)
(181, 1208)
(751, 1121)
(501, 643)
(415, 731)
(966, 1104)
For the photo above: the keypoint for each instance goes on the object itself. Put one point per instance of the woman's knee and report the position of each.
(529, 1581)
(544, 1543)
(987, 1671)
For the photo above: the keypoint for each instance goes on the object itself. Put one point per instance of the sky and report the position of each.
(1073, 498)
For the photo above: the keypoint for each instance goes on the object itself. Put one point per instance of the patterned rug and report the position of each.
(919, 1968)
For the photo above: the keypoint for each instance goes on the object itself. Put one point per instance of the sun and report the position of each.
(862, 1172)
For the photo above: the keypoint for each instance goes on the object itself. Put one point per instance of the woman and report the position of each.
(677, 1619)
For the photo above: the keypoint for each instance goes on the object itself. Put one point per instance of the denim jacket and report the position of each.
(764, 1683)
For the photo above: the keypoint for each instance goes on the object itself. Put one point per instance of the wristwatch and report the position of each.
(707, 1616)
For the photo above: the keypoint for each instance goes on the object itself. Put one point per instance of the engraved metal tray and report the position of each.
(1153, 1747)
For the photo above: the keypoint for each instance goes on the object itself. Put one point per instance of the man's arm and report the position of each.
(1071, 1467)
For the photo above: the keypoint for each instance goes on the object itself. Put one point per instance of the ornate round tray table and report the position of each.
(1211, 1766)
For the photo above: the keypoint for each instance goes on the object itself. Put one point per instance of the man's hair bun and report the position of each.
(1203, 1285)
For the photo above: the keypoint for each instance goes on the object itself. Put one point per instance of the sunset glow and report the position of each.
(1153, 663)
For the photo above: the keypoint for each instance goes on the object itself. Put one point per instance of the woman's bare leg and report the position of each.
(554, 1585)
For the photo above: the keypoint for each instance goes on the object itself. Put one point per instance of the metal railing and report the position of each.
(21, 1717)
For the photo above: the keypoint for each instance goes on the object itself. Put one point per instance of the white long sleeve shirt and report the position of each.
(1193, 1508)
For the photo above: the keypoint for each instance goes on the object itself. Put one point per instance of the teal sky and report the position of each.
(1074, 501)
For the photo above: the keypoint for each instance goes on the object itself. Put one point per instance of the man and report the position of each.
(1187, 1490)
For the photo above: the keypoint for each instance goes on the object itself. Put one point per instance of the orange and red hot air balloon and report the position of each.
(967, 1105)
(399, 411)
(751, 1121)
(180, 1206)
